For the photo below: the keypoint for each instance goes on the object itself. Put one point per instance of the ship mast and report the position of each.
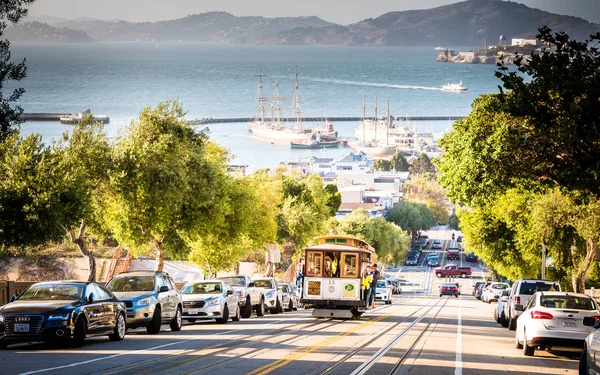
(375, 122)
(297, 97)
(364, 117)
(261, 99)
(278, 104)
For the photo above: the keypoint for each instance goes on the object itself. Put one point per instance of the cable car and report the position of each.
(332, 276)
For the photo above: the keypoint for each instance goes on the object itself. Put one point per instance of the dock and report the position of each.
(317, 119)
(63, 118)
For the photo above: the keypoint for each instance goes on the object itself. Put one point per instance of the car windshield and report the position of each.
(131, 284)
(500, 286)
(234, 281)
(63, 292)
(449, 285)
(202, 288)
(568, 302)
(263, 284)
(381, 284)
(530, 288)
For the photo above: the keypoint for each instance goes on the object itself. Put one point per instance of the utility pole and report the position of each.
(543, 262)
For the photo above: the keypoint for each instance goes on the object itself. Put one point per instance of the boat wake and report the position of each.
(374, 84)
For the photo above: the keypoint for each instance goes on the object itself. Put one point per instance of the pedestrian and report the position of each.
(366, 281)
(375, 274)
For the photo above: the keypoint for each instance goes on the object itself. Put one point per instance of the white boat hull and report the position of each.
(281, 134)
(377, 150)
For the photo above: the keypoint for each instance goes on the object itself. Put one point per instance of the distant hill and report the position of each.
(466, 23)
(41, 32)
(210, 27)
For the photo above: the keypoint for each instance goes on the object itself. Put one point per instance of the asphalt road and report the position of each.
(420, 333)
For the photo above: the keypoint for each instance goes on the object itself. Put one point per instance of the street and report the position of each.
(419, 333)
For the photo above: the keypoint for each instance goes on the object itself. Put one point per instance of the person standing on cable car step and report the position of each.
(366, 281)
(376, 275)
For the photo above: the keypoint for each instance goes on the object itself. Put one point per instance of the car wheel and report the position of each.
(291, 306)
(439, 274)
(225, 316)
(275, 310)
(517, 342)
(584, 369)
(154, 327)
(236, 318)
(512, 324)
(247, 309)
(281, 308)
(80, 332)
(3, 344)
(456, 295)
(260, 308)
(503, 320)
(440, 295)
(496, 319)
(177, 321)
(119, 332)
(192, 320)
(527, 350)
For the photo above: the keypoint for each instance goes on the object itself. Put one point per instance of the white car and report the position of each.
(211, 299)
(493, 291)
(436, 244)
(273, 297)
(520, 293)
(384, 291)
(499, 316)
(554, 319)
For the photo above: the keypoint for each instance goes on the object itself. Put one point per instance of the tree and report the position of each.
(12, 11)
(422, 165)
(382, 165)
(166, 181)
(411, 217)
(423, 190)
(453, 222)
(334, 198)
(399, 163)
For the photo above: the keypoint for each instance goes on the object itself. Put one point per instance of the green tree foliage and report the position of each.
(389, 240)
(10, 11)
(411, 217)
(382, 165)
(399, 163)
(594, 276)
(166, 180)
(334, 198)
(424, 190)
(453, 222)
(422, 165)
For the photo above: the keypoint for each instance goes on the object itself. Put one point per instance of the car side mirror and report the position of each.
(13, 298)
(229, 292)
(163, 288)
(519, 308)
(91, 298)
(251, 285)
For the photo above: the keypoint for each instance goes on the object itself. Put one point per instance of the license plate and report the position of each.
(569, 323)
(193, 311)
(21, 328)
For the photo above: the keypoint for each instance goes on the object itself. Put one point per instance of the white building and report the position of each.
(524, 42)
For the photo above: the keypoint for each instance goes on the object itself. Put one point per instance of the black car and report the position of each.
(471, 257)
(62, 310)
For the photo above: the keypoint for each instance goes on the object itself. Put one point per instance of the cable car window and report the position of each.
(349, 265)
(314, 263)
(332, 264)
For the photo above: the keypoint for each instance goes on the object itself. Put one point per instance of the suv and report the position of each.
(247, 297)
(151, 299)
(520, 293)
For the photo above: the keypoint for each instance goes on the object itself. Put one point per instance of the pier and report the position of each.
(317, 119)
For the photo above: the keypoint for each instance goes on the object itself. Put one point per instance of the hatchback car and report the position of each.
(554, 319)
(211, 299)
(499, 315)
(383, 291)
(151, 299)
(493, 291)
(62, 310)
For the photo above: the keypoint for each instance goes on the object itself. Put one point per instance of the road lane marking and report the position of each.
(118, 355)
(458, 361)
(268, 368)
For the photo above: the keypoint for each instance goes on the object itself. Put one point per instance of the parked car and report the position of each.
(151, 299)
(590, 356)
(493, 291)
(411, 261)
(272, 295)
(383, 291)
(210, 299)
(247, 299)
(452, 270)
(477, 284)
(554, 319)
(62, 310)
(436, 244)
(480, 289)
(499, 316)
(520, 293)
(396, 288)
(453, 253)
(471, 257)
(289, 298)
(433, 260)
(459, 239)
(449, 289)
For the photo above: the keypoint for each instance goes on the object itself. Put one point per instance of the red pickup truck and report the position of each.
(452, 270)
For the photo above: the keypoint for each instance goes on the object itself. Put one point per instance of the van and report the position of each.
(520, 293)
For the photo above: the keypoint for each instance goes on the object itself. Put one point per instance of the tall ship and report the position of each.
(279, 128)
(376, 141)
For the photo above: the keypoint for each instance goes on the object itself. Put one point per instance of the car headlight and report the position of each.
(1, 318)
(143, 302)
(61, 316)
(270, 293)
(212, 302)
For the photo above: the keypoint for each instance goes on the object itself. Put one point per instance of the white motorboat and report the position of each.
(455, 87)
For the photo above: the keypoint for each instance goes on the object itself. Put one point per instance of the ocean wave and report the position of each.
(374, 84)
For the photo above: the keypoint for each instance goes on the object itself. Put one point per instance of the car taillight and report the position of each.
(453, 288)
(541, 315)
(517, 301)
(597, 317)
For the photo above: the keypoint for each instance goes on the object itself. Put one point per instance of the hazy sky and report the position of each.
(338, 11)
